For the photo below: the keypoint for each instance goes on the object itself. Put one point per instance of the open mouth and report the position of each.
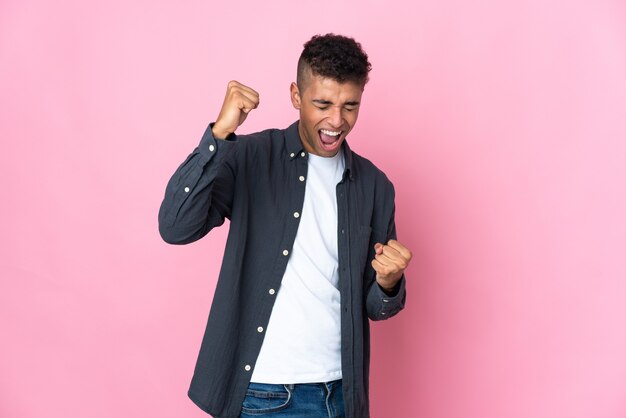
(329, 139)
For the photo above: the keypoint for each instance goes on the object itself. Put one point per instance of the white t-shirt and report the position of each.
(303, 340)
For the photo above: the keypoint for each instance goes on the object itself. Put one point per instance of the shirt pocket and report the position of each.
(368, 237)
(264, 399)
(364, 248)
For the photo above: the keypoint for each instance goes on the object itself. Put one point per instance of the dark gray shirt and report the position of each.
(258, 182)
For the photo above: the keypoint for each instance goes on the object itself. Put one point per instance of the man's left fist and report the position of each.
(390, 262)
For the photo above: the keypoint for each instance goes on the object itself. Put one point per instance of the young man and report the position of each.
(311, 252)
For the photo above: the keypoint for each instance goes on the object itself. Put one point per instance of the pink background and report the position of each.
(502, 124)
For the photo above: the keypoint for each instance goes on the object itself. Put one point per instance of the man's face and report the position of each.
(328, 112)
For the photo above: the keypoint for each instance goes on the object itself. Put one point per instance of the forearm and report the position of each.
(199, 194)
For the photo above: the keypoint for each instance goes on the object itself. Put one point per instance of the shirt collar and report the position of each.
(293, 143)
(295, 148)
(347, 156)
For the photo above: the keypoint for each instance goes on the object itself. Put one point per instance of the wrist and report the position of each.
(389, 285)
(219, 133)
(386, 286)
(389, 291)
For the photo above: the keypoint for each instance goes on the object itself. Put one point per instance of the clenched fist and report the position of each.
(390, 262)
(239, 101)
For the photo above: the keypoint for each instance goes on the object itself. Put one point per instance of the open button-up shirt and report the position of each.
(258, 182)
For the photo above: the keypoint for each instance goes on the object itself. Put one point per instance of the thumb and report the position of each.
(378, 248)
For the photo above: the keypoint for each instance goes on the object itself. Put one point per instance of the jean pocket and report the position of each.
(264, 399)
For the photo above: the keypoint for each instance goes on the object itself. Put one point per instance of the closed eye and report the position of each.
(325, 104)
(350, 106)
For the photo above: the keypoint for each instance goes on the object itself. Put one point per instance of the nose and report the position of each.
(335, 118)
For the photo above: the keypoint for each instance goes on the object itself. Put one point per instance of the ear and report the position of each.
(296, 100)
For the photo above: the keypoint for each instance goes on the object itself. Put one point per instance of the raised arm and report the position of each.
(199, 195)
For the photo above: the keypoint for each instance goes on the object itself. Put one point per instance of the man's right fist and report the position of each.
(239, 101)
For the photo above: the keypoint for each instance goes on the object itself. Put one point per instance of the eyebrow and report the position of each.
(328, 102)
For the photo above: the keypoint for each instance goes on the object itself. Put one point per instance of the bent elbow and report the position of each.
(169, 235)
(178, 234)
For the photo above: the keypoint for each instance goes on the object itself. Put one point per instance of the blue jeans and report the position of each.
(306, 400)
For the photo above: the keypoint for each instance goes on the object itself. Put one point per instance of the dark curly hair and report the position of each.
(336, 57)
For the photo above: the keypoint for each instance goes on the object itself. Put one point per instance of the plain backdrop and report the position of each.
(501, 123)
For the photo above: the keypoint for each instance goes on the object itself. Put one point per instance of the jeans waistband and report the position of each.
(332, 383)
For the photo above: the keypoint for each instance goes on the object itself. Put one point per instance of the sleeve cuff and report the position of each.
(209, 144)
(391, 304)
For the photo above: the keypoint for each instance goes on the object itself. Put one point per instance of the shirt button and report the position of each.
(260, 329)
(296, 215)
(301, 178)
(285, 252)
(292, 155)
(247, 367)
(211, 147)
(272, 291)
(302, 154)
(186, 189)
(385, 300)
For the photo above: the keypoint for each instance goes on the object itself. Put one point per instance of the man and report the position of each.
(311, 251)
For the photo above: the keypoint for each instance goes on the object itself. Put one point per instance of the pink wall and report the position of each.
(502, 124)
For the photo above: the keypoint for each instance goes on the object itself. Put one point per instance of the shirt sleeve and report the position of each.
(199, 195)
(379, 304)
